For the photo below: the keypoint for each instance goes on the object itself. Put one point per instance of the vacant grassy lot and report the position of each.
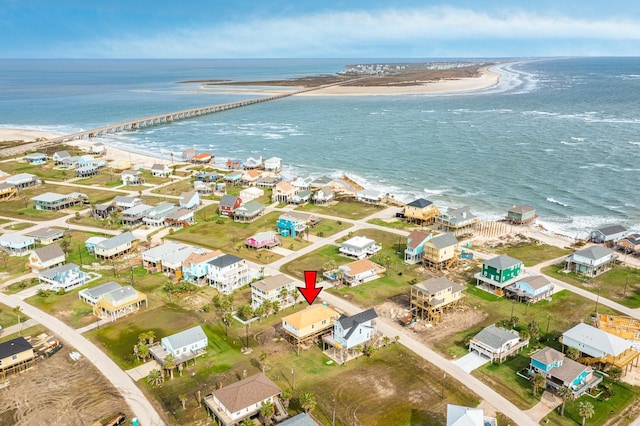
(12, 266)
(46, 171)
(394, 224)
(106, 178)
(532, 253)
(8, 317)
(19, 226)
(176, 188)
(328, 227)
(621, 284)
(350, 209)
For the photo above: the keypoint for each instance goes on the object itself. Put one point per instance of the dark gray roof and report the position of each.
(14, 347)
(49, 252)
(420, 203)
(444, 240)
(351, 323)
(227, 201)
(612, 230)
(494, 337)
(594, 252)
(502, 262)
(224, 260)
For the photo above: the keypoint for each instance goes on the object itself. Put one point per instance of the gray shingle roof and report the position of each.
(420, 203)
(49, 252)
(444, 240)
(612, 230)
(14, 347)
(227, 201)
(44, 232)
(351, 323)
(502, 262)
(224, 261)
(494, 337)
(434, 285)
(594, 252)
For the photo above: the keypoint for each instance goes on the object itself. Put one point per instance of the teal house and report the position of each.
(289, 226)
(562, 371)
(500, 272)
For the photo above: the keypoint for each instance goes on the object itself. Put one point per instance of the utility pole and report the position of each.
(333, 417)
(547, 333)
(444, 376)
(293, 376)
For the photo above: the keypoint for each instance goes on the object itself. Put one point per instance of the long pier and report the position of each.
(155, 120)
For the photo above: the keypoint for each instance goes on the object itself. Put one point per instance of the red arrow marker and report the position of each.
(309, 291)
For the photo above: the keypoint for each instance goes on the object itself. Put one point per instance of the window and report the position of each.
(14, 357)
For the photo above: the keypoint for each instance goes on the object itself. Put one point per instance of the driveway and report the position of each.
(471, 361)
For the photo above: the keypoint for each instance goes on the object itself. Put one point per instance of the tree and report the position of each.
(538, 381)
(17, 311)
(263, 360)
(259, 311)
(386, 340)
(284, 293)
(369, 350)
(572, 353)
(286, 396)
(585, 410)
(276, 306)
(267, 305)
(154, 378)
(397, 339)
(359, 349)
(534, 330)
(567, 395)
(183, 400)
(226, 319)
(525, 335)
(267, 410)
(329, 266)
(248, 422)
(615, 373)
(143, 350)
(246, 312)
(169, 364)
(307, 402)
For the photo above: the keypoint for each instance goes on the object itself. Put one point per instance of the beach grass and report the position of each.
(19, 226)
(328, 227)
(620, 284)
(394, 224)
(346, 208)
(532, 252)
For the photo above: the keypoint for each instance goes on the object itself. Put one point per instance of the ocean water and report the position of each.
(560, 134)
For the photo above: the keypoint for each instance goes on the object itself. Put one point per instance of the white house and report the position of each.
(355, 330)
(16, 244)
(46, 257)
(251, 193)
(370, 196)
(496, 343)
(608, 233)
(115, 246)
(361, 271)
(131, 177)
(591, 261)
(160, 170)
(457, 415)
(190, 200)
(124, 202)
(273, 164)
(63, 277)
(185, 343)
(228, 273)
(359, 247)
(594, 342)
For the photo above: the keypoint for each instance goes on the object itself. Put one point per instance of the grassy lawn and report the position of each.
(620, 284)
(532, 253)
(314, 261)
(46, 171)
(106, 179)
(176, 188)
(21, 285)
(12, 266)
(19, 226)
(8, 317)
(88, 220)
(611, 411)
(350, 209)
(503, 379)
(328, 227)
(394, 224)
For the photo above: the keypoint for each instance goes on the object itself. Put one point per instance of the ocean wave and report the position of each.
(554, 201)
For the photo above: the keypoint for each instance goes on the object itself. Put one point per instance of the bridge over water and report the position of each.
(153, 121)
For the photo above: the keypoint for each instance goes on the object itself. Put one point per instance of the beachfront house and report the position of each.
(457, 220)
(196, 266)
(282, 192)
(45, 235)
(430, 300)
(497, 343)
(344, 186)
(273, 164)
(228, 273)
(415, 246)
(253, 163)
(16, 244)
(122, 202)
(115, 247)
(500, 272)
(59, 157)
(629, 244)
(458, 415)
(234, 164)
(591, 261)
(120, 165)
(263, 240)
(202, 158)
(46, 257)
(530, 289)
(98, 149)
(228, 204)
(16, 355)
(251, 193)
(521, 215)
(233, 178)
(358, 272)
(232, 404)
(301, 183)
(323, 196)
(559, 371)
(248, 212)
(440, 251)
(359, 247)
(160, 170)
(63, 277)
(188, 154)
(290, 226)
(22, 180)
(278, 288)
(53, 201)
(369, 196)
(189, 200)
(421, 211)
(607, 234)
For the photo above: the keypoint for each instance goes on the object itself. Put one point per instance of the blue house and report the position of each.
(196, 266)
(289, 226)
(16, 244)
(349, 332)
(530, 289)
(562, 371)
(415, 246)
(63, 277)
(190, 200)
(91, 243)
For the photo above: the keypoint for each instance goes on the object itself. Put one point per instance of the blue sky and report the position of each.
(317, 29)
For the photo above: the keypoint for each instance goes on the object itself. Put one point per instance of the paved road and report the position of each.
(138, 402)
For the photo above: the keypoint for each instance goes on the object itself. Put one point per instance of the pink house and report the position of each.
(263, 240)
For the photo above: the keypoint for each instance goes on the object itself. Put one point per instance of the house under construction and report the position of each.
(621, 326)
(433, 298)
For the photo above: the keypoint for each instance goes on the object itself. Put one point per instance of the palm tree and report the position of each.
(246, 312)
(259, 311)
(386, 340)
(567, 395)
(267, 306)
(169, 364)
(17, 311)
(286, 396)
(358, 349)
(143, 351)
(525, 335)
(538, 381)
(183, 400)
(369, 350)
(248, 422)
(572, 353)
(284, 293)
(227, 318)
(585, 410)
(276, 306)
(154, 378)
(267, 409)
(307, 402)
(534, 330)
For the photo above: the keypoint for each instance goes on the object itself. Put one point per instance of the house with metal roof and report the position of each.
(123, 202)
(119, 302)
(46, 257)
(351, 331)
(302, 419)
(278, 288)
(415, 246)
(560, 370)
(421, 211)
(172, 263)
(263, 240)
(301, 197)
(36, 158)
(152, 258)
(369, 196)
(457, 220)
(608, 233)
(497, 343)
(92, 295)
(157, 215)
(231, 404)
(233, 178)
(440, 251)
(54, 201)
(359, 247)
(15, 355)
(500, 272)
(458, 415)
(131, 177)
(432, 299)
(87, 170)
(117, 246)
(190, 200)
(530, 289)
(16, 244)
(7, 191)
(45, 235)
(59, 156)
(63, 277)
(183, 346)
(591, 261)
(22, 180)
(134, 215)
(228, 273)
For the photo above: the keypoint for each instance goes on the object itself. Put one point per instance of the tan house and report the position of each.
(440, 251)
(46, 257)
(283, 191)
(15, 355)
(7, 191)
(421, 211)
(433, 298)
(309, 325)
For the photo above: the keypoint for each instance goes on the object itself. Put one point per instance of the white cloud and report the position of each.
(349, 33)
